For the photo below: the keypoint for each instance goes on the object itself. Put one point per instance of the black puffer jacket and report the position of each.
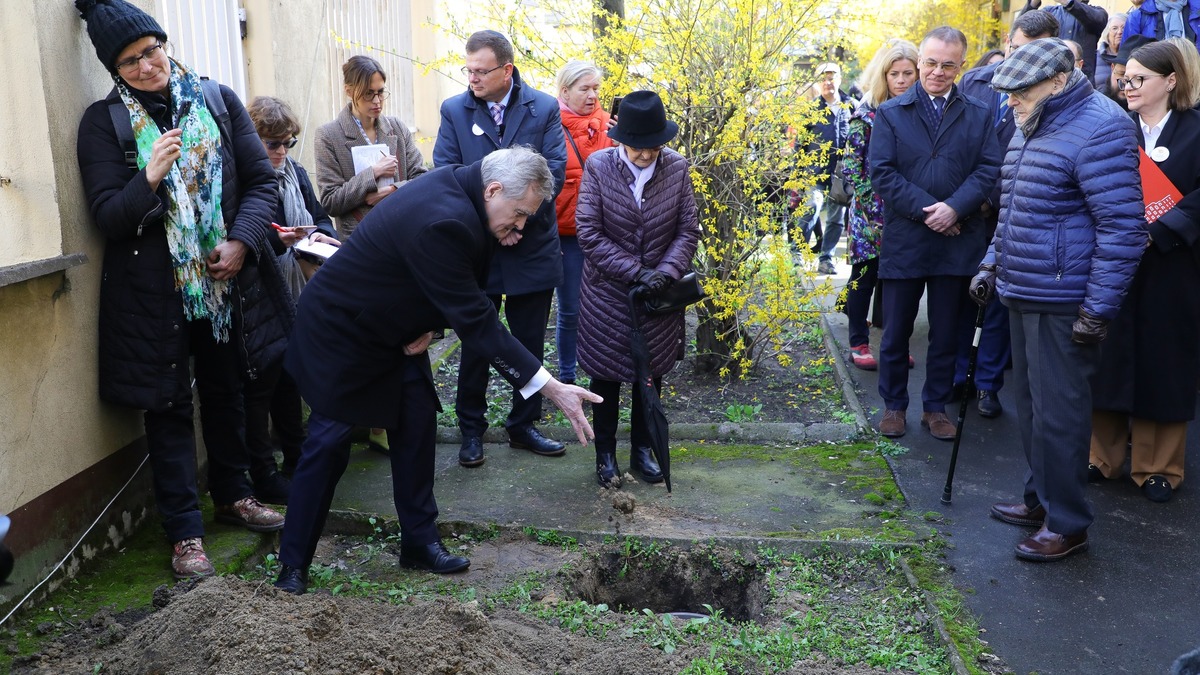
(142, 328)
(618, 239)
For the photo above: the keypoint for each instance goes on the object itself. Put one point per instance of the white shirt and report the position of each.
(1151, 134)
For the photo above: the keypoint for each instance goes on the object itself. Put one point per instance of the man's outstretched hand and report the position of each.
(569, 399)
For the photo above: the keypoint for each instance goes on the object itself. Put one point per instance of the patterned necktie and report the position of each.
(939, 106)
(497, 113)
(1001, 108)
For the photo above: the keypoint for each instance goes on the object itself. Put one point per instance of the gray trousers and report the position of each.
(1054, 410)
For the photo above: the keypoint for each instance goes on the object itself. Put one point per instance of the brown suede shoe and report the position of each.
(1019, 514)
(939, 425)
(1046, 546)
(893, 423)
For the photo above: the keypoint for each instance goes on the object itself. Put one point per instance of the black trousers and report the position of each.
(606, 415)
(863, 278)
(326, 453)
(947, 298)
(171, 436)
(272, 398)
(526, 315)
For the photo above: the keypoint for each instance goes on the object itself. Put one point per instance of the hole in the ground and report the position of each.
(669, 580)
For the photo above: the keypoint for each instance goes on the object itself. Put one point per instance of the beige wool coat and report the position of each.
(344, 194)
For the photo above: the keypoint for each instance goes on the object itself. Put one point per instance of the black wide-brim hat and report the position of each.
(642, 122)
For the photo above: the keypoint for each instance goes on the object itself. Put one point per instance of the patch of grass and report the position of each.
(890, 448)
(552, 538)
(740, 413)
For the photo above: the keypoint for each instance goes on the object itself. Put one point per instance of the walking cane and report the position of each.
(962, 409)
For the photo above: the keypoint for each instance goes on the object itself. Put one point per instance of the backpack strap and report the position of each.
(124, 128)
(216, 106)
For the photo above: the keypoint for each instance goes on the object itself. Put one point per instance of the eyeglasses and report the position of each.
(275, 145)
(131, 64)
(370, 94)
(1135, 82)
(947, 67)
(480, 73)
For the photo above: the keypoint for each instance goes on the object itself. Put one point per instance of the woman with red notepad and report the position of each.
(1145, 388)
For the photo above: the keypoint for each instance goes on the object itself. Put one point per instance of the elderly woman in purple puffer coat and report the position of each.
(637, 223)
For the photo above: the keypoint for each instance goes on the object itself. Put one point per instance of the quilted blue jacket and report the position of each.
(1072, 222)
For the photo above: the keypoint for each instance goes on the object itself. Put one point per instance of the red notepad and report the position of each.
(1159, 193)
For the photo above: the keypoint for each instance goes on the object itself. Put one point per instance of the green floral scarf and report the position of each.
(194, 223)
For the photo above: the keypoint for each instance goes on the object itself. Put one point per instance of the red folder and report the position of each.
(1159, 193)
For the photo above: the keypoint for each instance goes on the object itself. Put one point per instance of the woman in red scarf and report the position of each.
(585, 125)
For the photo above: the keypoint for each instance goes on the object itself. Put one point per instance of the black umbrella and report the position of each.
(652, 410)
(962, 409)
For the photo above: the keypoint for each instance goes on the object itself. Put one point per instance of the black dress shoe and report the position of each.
(1095, 475)
(433, 558)
(471, 452)
(273, 489)
(608, 475)
(1157, 489)
(529, 438)
(989, 404)
(292, 580)
(1047, 546)
(642, 461)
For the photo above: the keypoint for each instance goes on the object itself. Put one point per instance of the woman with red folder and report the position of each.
(1145, 388)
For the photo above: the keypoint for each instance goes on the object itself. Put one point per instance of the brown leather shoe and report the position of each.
(1019, 514)
(939, 425)
(893, 423)
(1046, 546)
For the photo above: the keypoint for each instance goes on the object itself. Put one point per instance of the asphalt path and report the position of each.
(1127, 605)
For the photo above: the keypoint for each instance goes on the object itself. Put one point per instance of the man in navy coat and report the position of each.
(498, 110)
(934, 160)
(416, 264)
(994, 343)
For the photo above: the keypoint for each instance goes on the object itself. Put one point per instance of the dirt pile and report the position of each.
(228, 626)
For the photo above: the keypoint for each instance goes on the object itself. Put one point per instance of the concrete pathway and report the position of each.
(1128, 605)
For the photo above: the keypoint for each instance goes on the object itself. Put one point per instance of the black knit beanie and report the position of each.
(113, 25)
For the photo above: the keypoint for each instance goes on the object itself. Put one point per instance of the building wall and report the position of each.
(63, 453)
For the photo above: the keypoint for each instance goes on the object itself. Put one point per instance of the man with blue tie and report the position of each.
(994, 343)
(499, 110)
(934, 161)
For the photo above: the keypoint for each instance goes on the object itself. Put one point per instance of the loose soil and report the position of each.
(435, 625)
(803, 391)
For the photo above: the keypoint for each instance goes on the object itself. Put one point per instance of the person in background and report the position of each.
(1144, 392)
(1079, 21)
(1118, 66)
(890, 73)
(585, 127)
(185, 217)
(637, 224)
(1163, 19)
(347, 194)
(990, 57)
(1077, 51)
(1071, 232)
(500, 110)
(828, 217)
(272, 398)
(934, 160)
(416, 265)
(1109, 43)
(994, 345)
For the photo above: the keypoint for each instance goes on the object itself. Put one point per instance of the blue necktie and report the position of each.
(1001, 108)
(939, 106)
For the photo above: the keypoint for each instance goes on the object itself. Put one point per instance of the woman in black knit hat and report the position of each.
(179, 184)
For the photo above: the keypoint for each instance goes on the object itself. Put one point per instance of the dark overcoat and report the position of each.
(467, 134)
(1150, 361)
(416, 263)
(142, 336)
(914, 165)
(618, 239)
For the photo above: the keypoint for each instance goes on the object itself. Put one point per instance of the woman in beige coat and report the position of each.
(349, 195)
(346, 194)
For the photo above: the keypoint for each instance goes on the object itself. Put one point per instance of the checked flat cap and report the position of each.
(1039, 60)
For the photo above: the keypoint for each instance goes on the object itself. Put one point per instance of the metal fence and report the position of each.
(206, 35)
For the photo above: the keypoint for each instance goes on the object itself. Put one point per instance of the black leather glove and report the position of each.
(1088, 329)
(652, 279)
(983, 286)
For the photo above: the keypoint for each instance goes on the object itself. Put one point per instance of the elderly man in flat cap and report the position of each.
(1071, 232)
